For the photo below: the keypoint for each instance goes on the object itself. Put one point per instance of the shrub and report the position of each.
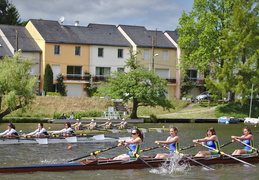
(52, 94)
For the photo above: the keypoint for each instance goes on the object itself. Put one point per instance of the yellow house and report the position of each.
(65, 51)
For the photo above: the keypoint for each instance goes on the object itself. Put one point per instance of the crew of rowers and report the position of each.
(210, 141)
(172, 142)
(66, 131)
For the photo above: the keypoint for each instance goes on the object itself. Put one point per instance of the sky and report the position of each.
(153, 14)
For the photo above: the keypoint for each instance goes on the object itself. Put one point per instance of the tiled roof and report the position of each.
(93, 34)
(174, 35)
(25, 40)
(143, 37)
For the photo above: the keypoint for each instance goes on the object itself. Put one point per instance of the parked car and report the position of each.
(204, 95)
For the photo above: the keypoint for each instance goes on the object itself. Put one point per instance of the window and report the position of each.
(192, 74)
(102, 71)
(100, 52)
(163, 73)
(57, 49)
(165, 55)
(146, 54)
(74, 70)
(120, 53)
(120, 70)
(77, 50)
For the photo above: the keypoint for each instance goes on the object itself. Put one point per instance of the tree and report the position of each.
(139, 85)
(222, 36)
(61, 86)
(48, 79)
(17, 86)
(8, 13)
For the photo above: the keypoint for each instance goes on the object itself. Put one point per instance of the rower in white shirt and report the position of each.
(67, 131)
(10, 132)
(40, 132)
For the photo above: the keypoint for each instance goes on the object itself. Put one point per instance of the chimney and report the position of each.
(76, 23)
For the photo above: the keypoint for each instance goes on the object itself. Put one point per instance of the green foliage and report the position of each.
(61, 86)
(92, 91)
(139, 85)
(79, 115)
(222, 37)
(57, 115)
(48, 79)
(8, 13)
(52, 94)
(153, 118)
(238, 110)
(17, 86)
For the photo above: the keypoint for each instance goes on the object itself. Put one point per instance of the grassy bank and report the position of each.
(44, 107)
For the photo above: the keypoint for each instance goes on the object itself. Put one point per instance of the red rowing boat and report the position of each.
(99, 164)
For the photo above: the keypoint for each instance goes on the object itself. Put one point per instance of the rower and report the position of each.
(107, 125)
(248, 139)
(173, 141)
(40, 132)
(211, 140)
(67, 131)
(133, 144)
(10, 132)
(123, 124)
(92, 124)
(78, 125)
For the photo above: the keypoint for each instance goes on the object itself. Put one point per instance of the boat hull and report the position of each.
(101, 164)
(228, 120)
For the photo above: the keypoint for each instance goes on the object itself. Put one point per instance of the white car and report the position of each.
(204, 95)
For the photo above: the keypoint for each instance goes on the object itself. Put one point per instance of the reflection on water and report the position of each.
(28, 154)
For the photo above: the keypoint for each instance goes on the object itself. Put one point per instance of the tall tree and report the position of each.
(139, 85)
(48, 79)
(17, 86)
(222, 36)
(61, 86)
(8, 13)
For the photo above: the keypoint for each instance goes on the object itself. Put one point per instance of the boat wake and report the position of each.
(172, 166)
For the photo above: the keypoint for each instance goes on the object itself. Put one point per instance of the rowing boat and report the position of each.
(97, 131)
(133, 163)
(58, 139)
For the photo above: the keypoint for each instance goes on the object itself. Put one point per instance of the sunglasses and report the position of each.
(133, 133)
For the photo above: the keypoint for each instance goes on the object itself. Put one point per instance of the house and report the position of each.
(64, 48)
(17, 38)
(156, 53)
(192, 73)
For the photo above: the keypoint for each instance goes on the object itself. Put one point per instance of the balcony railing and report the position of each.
(171, 81)
(99, 78)
(76, 77)
(198, 81)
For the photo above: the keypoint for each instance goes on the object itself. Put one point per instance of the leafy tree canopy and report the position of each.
(8, 13)
(139, 85)
(17, 86)
(222, 36)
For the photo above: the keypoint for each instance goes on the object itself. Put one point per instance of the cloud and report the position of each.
(161, 14)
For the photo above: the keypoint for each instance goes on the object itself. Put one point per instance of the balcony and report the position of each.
(171, 81)
(197, 81)
(99, 78)
(76, 77)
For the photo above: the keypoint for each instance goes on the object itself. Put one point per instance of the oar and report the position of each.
(222, 153)
(207, 167)
(246, 144)
(148, 149)
(188, 147)
(94, 153)
(195, 145)
(223, 145)
(137, 156)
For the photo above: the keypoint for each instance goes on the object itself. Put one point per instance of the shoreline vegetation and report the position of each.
(44, 108)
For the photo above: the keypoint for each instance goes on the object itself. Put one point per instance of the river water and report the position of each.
(29, 154)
